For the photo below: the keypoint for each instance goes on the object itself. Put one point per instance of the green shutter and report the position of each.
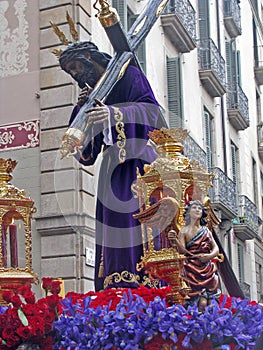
(234, 163)
(240, 257)
(208, 140)
(229, 62)
(174, 93)
(141, 51)
(203, 12)
(232, 70)
(238, 69)
(121, 7)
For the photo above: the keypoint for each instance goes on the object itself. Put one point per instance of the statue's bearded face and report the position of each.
(85, 71)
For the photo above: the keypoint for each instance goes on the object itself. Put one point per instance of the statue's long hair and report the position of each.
(76, 51)
(187, 208)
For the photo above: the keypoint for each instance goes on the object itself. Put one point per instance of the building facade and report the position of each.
(204, 61)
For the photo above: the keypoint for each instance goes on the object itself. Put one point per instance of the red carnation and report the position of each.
(24, 290)
(30, 298)
(46, 283)
(16, 301)
(52, 300)
(8, 295)
(49, 317)
(12, 342)
(46, 343)
(25, 332)
(37, 323)
(29, 309)
(55, 287)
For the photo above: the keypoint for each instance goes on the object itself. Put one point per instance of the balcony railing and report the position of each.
(179, 23)
(211, 67)
(232, 18)
(194, 152)
(237, 104)
(223, 194)
(185, 12)
(248, 213)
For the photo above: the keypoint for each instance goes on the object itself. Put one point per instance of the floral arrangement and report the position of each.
(26, 320)
(141, 319)
(129, 319)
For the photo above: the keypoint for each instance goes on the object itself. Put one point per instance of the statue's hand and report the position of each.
(203, 257)
(98, 114)
(85, 92)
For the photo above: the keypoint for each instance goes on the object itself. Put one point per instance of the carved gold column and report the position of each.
(15, 209)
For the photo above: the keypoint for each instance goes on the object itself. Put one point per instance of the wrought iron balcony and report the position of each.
(194, 152)
(245, 287)
(237, 107)
(246, 224)
(179, 24)
(211, 68)
(260, 141)
(223, 194)
(232, 18)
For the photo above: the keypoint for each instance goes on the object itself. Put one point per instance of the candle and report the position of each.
(13, 245)
(4, 251)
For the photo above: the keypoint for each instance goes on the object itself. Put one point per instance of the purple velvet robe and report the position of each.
(118, 234)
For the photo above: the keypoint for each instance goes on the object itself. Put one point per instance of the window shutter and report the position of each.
(228, 63)
(203, 11)
(121, 7)
(255, 181)
(234, 163)
(232, 70)
(141, 51)
(174, 92)
(208, 140)
(238, 68)
(240, 257)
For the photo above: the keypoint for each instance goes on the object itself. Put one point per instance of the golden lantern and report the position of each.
(16, 212)
(168, 184)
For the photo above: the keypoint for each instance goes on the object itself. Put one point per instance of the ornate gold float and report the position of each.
(16, 212)
(168, 184)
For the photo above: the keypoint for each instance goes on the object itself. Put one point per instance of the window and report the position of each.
(233, 70)
(174, 90)
(235, 166)
(261, 182)
(127, 19)
(259, 282)
(240, 257)
(208, 139)
(258, 106)
(203, 17)
(255, 181)
(141, 51)
(121, 7)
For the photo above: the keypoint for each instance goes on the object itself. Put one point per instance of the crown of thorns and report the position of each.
(62, 37)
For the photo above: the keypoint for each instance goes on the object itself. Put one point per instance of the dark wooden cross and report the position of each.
(125, 47)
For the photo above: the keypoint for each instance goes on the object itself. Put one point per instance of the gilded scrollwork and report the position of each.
(173, 178)
(14, 205)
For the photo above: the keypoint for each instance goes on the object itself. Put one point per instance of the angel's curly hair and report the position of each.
(187, 208)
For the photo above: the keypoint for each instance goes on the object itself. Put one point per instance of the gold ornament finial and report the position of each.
(107, 15)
